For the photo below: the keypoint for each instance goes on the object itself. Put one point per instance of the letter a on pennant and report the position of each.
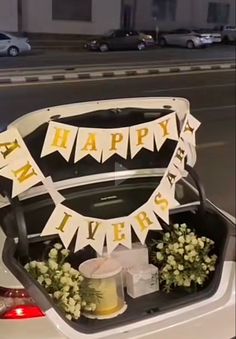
(24, 174)
(89, 142)
(64, 222)
(59, 138)
(12, 146)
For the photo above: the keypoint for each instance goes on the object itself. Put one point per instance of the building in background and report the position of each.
(98, 16)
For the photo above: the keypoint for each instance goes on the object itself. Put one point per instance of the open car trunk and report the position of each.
(106, 199)
(109, 201)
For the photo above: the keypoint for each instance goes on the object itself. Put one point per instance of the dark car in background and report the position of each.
(121, 40)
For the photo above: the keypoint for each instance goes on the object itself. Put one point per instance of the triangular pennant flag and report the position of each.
(144, 220)
(165, 128)
(189, 129)
(12, 146)
(118, 232)
(89, 142)
(115, 142)
(91, 232)
(64, 222)
(141, 136)
(59, 138)
(24, 174)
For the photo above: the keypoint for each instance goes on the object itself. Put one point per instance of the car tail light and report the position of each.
(17, 304)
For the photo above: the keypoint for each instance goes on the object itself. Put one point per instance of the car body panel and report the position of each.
(180, 37)
(121, 40)
(11, 41)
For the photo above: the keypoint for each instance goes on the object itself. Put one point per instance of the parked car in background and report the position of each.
(185, 38)
(228, 33)
(215, 35)
(12, 45)
(121, 40)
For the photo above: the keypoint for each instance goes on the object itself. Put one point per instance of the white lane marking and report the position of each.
(45, 78)
(71, 76)
(141, 63)
(18, 79)
(215, 108)
(212, 144)
(51, 82)
(189, 88)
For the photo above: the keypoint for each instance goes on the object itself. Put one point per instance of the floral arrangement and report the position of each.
(65, 285)
(183, 259)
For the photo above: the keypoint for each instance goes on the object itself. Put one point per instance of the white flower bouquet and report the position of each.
(65, 285)
(183, 259)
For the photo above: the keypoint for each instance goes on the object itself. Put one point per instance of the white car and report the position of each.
(229, 33)
(26, 311)
(12, 45)
(185, 38)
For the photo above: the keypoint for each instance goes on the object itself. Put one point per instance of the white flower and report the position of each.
(58, 246)
(160, 246)
(57, 294)
(93, 307)
(180, 267)
(194, 241)
(211, 268)
(176, 226)
(187, 282)
(68, 316)
(65, 252)
(72, 302)
(207, 259)
(40, 279)
(27, 266)
(33, 264)
(201, 243)
(48, 281)
(181, 239)
(186, 257)
(52, 264)
(63, 280)
(83, 303)
(66, 288)
(53, 253)
(66, 267)
(42, 268)
(159, 256)
(176, 272)
(167, 235)
(181, 251)
(199, 281)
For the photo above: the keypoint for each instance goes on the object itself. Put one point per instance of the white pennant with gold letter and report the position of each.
(64, 222)
(189, 129)
(141, 136)
(91, 232)
(118, 232)
(115, 142)
(12, 146)
(89, 142)
(24, 174)
(144, 220)
(165, 128)
(59, 138)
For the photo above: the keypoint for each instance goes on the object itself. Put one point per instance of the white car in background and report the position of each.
(12, 45)
(185, 38)
(26, 311)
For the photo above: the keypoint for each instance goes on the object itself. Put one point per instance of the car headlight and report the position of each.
(94, 42)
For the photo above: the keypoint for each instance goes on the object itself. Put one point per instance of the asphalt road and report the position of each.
(212, 98)
(157, 56)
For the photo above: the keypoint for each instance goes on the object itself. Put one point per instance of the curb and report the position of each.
(111, 74)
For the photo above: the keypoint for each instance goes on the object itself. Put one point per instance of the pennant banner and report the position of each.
(17, 164)
(101, 144)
